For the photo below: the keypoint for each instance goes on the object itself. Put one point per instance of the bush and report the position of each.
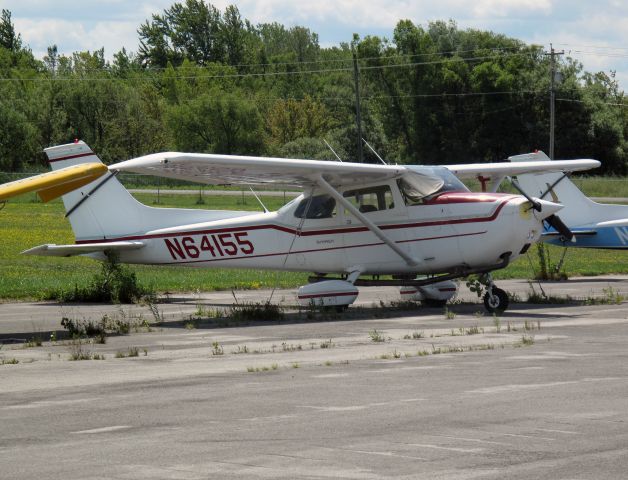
(115, 283)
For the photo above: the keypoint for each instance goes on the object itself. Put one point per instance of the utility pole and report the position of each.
(552, 54)
(358, 117)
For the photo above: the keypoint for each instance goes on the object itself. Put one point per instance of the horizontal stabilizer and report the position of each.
(51, 185)
(577, 233)
(52, 250)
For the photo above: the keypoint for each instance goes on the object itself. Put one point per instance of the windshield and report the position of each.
(415, 186)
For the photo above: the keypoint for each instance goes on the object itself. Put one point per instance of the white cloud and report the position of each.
(71, 36)
(504, 8)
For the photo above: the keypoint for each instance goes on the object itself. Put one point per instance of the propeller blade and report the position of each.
(558, 225)
(535, 204)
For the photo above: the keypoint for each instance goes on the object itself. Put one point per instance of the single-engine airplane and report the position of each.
(595, 225)
(352, 221)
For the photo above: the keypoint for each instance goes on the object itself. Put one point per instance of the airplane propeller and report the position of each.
(536, 205)
(552, 220)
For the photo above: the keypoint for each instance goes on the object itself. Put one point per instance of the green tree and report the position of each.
(218, 121)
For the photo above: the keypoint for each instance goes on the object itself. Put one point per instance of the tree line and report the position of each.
(204, 80)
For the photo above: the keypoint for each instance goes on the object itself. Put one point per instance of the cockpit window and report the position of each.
(318, 206)
(416, 186)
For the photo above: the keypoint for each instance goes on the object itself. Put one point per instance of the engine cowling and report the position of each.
(328, 293)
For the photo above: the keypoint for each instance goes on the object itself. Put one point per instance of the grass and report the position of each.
(25, 222)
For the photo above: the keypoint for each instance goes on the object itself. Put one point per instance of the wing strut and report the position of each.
(367, 223)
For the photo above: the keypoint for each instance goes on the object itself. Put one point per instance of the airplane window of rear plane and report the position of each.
(320, 206)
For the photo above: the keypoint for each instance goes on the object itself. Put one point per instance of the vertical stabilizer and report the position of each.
(109, 212)
(557, 187)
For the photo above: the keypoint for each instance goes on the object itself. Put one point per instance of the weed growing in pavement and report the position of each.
(130, 352)
(241, 349)
(610, 297)
(254, 312)
(291, 347)
(527, 340)
(35, 341)
(77, 352)
(217, 349)
(264, 368)
(376, 336)
(327, 344)
(203, 311)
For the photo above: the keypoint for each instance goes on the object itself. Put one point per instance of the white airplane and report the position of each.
(595, 225)
(352, 221)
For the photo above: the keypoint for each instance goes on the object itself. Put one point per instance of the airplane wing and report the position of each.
(52, 250)
(504, 169)
(219, 169)
(236, 169)
(51, 185)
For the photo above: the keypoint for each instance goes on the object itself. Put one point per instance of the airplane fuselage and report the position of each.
(607, 235)
(451, 230)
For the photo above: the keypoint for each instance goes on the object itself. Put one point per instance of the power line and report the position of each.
(467, 94)
(264, 74)
(332, 60)
(573, 100)
(601, 47)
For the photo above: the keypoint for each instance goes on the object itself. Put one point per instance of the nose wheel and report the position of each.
(495, 300)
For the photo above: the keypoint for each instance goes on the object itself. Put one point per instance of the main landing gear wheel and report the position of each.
(496, 300)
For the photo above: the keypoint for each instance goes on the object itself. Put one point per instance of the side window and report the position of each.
(371, 199)
(318, 206)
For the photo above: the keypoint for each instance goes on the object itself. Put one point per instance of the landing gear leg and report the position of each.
(495, 299)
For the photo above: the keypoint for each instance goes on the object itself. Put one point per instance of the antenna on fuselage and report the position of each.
(332, 150)
(258, 199)
(373, 150)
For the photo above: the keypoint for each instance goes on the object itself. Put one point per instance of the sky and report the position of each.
(593, 32)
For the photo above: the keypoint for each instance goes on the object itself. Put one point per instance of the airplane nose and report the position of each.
(547, 208)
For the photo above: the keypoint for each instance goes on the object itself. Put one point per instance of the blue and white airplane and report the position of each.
(595, 225)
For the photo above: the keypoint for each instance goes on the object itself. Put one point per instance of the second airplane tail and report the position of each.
(557, 187)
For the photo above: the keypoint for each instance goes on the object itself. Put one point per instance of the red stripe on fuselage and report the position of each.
(466, 197)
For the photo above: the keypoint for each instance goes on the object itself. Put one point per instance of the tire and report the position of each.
(498, 302)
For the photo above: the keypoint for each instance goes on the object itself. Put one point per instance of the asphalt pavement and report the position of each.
(377, 393)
